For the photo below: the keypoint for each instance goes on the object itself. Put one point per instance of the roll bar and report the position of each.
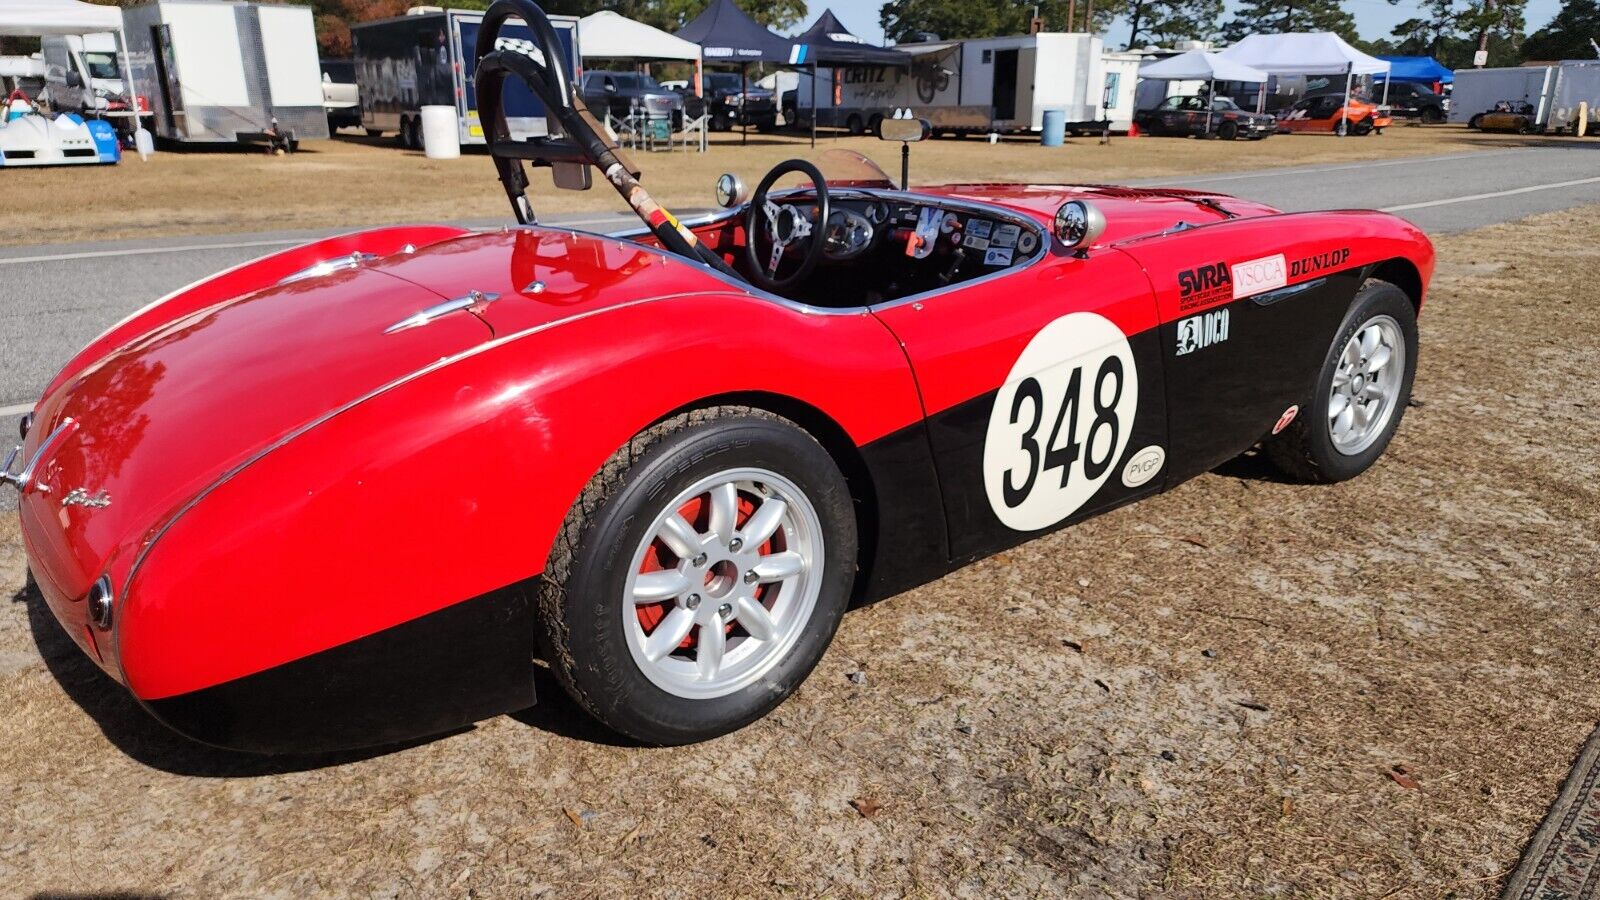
(576, 140)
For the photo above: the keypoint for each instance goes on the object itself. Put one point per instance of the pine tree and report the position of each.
(1569, 34)
(1274, 16)
(1164, 21)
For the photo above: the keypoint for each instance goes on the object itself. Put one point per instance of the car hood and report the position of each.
(152, 424)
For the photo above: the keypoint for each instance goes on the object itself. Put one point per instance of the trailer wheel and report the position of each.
(375, 132)
(855, 126)
(875, 124)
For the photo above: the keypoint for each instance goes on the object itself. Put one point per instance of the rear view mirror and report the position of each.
(907, 131)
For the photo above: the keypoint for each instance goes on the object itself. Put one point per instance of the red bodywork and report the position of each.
(286, 477)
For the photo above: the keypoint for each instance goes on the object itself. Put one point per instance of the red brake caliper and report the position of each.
(697, 513)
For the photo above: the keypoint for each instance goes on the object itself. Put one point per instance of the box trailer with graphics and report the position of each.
(218, 72)
(426, 58)
(1001, 84)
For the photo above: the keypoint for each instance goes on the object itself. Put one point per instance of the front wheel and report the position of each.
(1361, 393)
(700, 576)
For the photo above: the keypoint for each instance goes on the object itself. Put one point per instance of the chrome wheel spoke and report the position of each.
(755, 619)
(713, 643)
(654, 587)
(778, 566)
(1378, 360)
(1370, 338)
(763, 522)
(679, 536)
(669, 634)
(1345, 418)
(1337, 405)
(724, 511)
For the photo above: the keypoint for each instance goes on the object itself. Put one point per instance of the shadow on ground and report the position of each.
(144, 739)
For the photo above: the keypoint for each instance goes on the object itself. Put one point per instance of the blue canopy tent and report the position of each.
(1421, 69)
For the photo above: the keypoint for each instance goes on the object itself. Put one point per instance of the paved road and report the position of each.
(54, 299)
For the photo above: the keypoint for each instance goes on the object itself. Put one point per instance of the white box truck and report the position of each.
(1001, 84)
(217, 72)
(427, 58)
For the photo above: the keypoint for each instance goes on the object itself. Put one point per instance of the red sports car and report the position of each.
(353, 492)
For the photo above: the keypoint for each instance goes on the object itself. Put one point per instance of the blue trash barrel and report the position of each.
(1055, 128)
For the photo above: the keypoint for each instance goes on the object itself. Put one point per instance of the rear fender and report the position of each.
(250, 276)
(452, 485)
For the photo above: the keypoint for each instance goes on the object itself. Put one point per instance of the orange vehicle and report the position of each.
(1332, 113)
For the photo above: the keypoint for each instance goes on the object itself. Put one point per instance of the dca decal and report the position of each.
(1060, 422)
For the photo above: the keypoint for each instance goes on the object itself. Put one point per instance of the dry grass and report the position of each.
(357, 181)
(1441, 613)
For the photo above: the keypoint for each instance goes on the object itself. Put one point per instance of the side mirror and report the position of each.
(74, 80)
(1078, 225)
(906, 131)
(730, 191)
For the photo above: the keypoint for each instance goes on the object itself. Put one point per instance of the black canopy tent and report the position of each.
(727, 36)
(828, 43)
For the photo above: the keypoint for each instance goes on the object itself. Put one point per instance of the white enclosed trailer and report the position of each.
(1574, 92)
(222, 72)
(1001, 84)
(1478, 90)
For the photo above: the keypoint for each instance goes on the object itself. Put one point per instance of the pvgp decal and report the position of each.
(1200, 332)
(1203, 285)
(1312, 264)
(1259, 275)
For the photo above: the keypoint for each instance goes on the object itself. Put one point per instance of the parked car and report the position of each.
(1519, 116)
(666, 462)
(1329, 113)
(728, 105)
(621, 93)
(1186, 115)
(1408, 100)
(340, 97)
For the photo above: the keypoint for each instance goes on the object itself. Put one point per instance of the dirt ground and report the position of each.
(357, 181)
(1241, 688)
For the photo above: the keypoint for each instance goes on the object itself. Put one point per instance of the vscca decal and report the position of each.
(1060, 422)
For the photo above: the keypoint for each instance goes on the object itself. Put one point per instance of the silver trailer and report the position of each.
(223, 72)
(427, 58)
(1558, 94)
(1574, 93)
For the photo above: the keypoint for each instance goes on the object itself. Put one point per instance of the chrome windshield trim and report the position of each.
(24, 479)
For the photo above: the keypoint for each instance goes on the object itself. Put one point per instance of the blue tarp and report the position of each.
(1424, 69)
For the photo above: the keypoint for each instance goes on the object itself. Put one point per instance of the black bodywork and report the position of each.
(1415, 101)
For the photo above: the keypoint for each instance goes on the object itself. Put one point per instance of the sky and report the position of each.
(1374, 18)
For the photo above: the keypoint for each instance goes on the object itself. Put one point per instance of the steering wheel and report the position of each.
(784, 227)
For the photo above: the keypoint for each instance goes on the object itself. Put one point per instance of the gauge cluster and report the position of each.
(971, 241)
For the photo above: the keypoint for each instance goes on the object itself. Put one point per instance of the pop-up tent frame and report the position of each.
(1199, 65)
(727, 35)
(1308, 53)
(828, 43)
(38, 18)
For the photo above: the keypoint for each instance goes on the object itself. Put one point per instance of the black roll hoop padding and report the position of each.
(551, 82)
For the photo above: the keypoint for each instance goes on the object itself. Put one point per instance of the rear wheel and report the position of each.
(1228, 131)
(1475, 122)
(1432, 115)
(1341, 127)
(855, 126)
(1361, 394)
(700, 576)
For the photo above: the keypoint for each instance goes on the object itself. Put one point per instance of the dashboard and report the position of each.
(924, 230)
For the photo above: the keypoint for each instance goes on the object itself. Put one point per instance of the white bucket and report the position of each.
(440, 137)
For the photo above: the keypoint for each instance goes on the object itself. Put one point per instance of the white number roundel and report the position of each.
(1060, 422)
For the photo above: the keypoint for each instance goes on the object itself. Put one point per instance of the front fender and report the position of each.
(385, 545)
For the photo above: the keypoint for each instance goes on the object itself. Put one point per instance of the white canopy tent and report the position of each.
(608, 35)
(1307, 53)
(1200, 65)
(32, 18)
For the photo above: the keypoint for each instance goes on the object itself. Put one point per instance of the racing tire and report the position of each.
(1333, 440)
(855, 126)
(1228, 131)
(1341, 127)
(1475, 122)
(607, 566)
